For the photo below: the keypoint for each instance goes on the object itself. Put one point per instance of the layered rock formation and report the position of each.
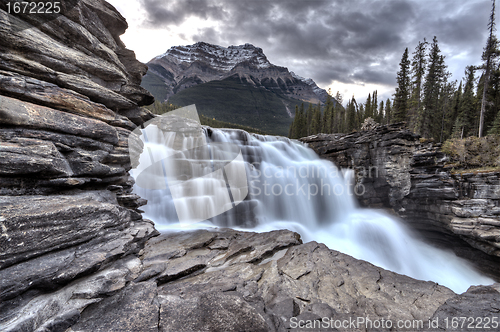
(396, 170)
(75, 253)
(69, 97)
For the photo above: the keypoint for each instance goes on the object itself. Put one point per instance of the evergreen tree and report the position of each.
(302, 125)
(388, 111)
(434, 81)
(457, 99)
(495, 128)
(328, 115)
(380, 116)
(338, 115)
(403, 90)
(293, 132)
(368, 107)
(464, 125)
(316, 120)
(493, 97)
(490, 53)
(418, 65)
(351, 115)
(374, 105)
(309, 117)
(446, 101)
(360, 115)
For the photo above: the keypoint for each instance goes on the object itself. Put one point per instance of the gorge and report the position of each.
(76, 253)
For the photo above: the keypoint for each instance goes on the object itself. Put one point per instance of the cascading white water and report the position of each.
(290, 187)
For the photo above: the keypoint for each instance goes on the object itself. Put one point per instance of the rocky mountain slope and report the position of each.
(236, 84)
(75, 252)
(182, 67)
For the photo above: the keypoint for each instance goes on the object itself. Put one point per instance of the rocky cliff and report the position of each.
(69, 97)
(398, 171)
(75, 253)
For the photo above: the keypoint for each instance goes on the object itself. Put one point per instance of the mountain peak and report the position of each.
(218, 57)
(183, 67)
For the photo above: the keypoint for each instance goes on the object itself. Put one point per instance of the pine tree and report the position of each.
(418, 65)
(360, 114)
(302, 125)
(464, 125)
(446, 101)
(368, 107)
(327, 123)
(351, 115)
(374, 105)
(495, 129)
(493, 106)
(316, 120)
(455, 131)
(403, 90)
(338, 114)
(293, 127)
(490, 53)
(434, 81)
(388, 111)
(309, 117)
(381, 116)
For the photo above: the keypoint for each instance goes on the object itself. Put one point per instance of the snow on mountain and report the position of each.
(182, 67)
(220, 58)
(309, 81)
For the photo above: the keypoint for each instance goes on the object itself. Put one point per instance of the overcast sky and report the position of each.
(351, 46)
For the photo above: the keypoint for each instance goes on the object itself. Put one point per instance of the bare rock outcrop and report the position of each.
(70, 226)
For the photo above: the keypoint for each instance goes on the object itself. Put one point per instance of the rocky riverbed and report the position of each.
(75, 252)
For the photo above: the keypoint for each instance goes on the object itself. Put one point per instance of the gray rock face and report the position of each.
(221, 280)
(475, 309)
(70, 227)
(261, 281)
(395, 171)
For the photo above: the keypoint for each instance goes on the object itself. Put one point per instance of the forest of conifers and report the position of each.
(425, 98)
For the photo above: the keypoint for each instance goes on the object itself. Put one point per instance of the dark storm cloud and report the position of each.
(163, 13)
(347, 41)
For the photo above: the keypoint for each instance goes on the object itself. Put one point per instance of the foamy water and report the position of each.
(290, 187)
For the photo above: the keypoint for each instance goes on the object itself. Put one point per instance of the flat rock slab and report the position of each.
(34, 225)
(227, 280)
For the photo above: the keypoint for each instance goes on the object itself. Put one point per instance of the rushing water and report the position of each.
(290, 187)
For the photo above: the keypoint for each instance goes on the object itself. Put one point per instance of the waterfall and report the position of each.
(290, 187)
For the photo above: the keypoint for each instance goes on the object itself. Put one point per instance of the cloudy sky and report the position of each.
(351, 46)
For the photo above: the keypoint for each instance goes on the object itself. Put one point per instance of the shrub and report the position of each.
(474, 152)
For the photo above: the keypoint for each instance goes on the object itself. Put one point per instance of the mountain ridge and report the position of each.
(182, 67)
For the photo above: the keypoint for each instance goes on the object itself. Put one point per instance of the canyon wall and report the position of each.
(69, 97)
(407, 176)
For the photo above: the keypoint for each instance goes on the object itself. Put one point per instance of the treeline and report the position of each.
(163, 107)
(332, 117)
(425, 98)
(440, 109)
